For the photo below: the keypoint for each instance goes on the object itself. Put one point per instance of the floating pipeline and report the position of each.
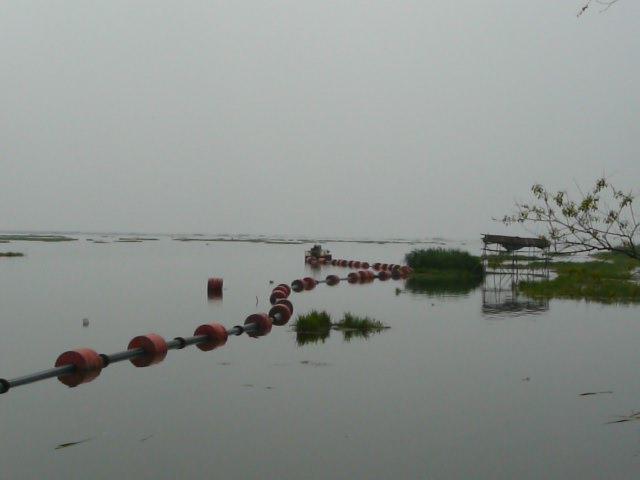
(358, 264)
(83, 365)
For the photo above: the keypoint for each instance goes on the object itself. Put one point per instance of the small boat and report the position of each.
(317, 254)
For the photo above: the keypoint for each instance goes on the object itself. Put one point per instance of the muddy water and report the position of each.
(469, 382)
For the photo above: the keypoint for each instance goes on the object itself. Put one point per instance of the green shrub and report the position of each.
(444, 260)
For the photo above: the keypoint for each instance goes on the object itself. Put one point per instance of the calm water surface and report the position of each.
(468, 382)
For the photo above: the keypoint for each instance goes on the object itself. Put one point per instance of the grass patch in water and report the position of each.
(607, 279)
(11, 254)
(441, 261)
(361, 327)
(316, 326)
(312, 327)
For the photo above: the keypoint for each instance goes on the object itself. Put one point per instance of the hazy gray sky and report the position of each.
(349, 118)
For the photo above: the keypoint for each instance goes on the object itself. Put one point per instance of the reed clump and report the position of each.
(316, 326)
(443, 262)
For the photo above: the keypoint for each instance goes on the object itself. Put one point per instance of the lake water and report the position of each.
(469, 382)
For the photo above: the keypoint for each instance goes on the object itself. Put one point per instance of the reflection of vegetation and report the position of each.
(440, 260)
(443, 284)
(609, 279)
(11, 254)
(361, 327)
(316, 326)
(36, 238)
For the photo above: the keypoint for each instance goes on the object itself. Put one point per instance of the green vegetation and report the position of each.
(440, 261)
(36, 238)
(11, 254)
(607, 279)
(316, 326)
(312, 327)
(355, 326)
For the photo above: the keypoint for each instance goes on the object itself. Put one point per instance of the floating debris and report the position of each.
(71, 444)
(85, 322)
(595, 393)
(625, 418)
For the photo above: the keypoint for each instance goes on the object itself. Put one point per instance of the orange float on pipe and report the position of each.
(280, 314)
(332, 280)
(154, 346)
(309, 283)
(277, 295)
(365, 265)
(285, 287)
(353, 277)
(88, 365)
(284, 301)
(384, 275)
(297, 285)
(262, 324)
(216, 333)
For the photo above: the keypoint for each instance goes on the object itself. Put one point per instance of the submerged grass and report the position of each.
(316, 326)
(607, 279)
(443, 261)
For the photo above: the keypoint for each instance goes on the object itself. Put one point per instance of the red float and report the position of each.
(284, 301)
(276, 295)
(285, 287)
(216, 333)
(297, 285)
(333, 280)
(376, 266)
(284, 291)
(309, 283)
(88, 366)
(214, 287)
(262, 324)
(280, 314)
(384, 275)
(154, 346)
(365, 265)
(353, 277)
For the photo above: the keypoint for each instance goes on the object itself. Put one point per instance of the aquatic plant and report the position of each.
(608, 279)
(11, 254)
(355, 326)
(444, 260)
(316, 326)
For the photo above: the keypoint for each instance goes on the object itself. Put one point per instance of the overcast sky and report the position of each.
(346, 118)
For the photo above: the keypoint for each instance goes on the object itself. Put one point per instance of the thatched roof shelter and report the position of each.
(515, 243)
